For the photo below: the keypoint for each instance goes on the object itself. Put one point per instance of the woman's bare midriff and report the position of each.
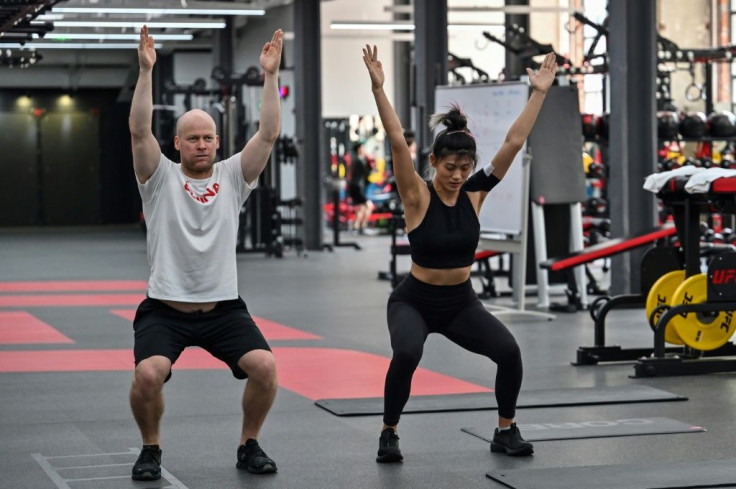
(445, 276)
(191, 306)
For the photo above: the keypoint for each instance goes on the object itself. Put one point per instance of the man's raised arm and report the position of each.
(146, 151)
(257, 151)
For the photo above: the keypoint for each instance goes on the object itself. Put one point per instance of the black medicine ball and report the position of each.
(693, 125)
(722, 124)
(667, 124)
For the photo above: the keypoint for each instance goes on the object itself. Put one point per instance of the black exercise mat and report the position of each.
(576, 396)
(650, 475)
(594, 429)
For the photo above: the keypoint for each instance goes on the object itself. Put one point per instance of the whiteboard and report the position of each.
(491, 109)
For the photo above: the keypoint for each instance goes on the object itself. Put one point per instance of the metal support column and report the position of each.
(402, 74)
(222, 55)
(308, 111)
(430, 44)
(633, 136)
(515, 66)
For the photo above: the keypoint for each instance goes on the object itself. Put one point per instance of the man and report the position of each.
(192, 299)
(360, 170)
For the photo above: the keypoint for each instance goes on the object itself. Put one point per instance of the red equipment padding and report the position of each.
(609, 248)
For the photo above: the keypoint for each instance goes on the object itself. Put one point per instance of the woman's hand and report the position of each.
(375, 69)
(543, 78)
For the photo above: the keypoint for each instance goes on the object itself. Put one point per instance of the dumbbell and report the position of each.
(706, 162)
(690, 161)
(597, 170)
(728, 235)
(596, 206)
(671, 164)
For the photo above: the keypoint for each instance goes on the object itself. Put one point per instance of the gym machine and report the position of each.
(692, 308)
(337, 139)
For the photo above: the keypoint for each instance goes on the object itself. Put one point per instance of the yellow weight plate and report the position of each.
(661, 294)
(699, 330)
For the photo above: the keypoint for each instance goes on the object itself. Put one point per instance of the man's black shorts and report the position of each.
(228, 332)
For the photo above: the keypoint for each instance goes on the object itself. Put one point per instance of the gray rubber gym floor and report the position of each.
(72, 428)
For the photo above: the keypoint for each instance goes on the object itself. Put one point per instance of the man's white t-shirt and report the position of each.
(192, 228)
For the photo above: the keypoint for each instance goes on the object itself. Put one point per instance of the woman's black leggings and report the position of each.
(416, 309)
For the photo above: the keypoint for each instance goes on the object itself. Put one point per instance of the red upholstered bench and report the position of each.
(602, 250)
(609, 248)
(485, 272)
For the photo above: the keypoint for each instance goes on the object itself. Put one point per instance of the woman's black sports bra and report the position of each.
(448, 236)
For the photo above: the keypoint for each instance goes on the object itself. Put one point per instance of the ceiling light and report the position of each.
(156, 11)
(404, 26)
(49, 17)
(381, 26)
(508, 9)
(137, 24)
(75, 45)
(472, 27)
(114, 37)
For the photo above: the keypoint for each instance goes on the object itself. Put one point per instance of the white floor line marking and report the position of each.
(50, 471)
(98, 478)
(87, 455)
(61, 482)
(92, 466)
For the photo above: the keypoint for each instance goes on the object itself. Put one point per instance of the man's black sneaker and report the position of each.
(388, 447)
(148, 465)
(510, 442)
(253, 459)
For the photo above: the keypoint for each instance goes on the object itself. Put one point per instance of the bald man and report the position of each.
(192, 211)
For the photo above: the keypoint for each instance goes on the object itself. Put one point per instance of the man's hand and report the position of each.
(271, 54)
(146, 52)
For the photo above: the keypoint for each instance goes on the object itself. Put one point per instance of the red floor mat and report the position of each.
(272, 331)
(71, 300)
(319, 373)
(20, 327)
(73, 285)
(314, 373)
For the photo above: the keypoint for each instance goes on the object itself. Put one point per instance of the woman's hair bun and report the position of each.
(453, 119)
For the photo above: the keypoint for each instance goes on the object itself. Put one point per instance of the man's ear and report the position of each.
(176, 143)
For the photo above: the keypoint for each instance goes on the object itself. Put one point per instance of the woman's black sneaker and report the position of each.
(148, 465)
(253, 459)
(510, 442)
(388, 447)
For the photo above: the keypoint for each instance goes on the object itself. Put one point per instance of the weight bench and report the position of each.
(607, 249)
(485, 272)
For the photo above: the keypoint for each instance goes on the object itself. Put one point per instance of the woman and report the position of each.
(443, 229)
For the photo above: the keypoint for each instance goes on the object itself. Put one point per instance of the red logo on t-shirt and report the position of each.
(209, 192)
